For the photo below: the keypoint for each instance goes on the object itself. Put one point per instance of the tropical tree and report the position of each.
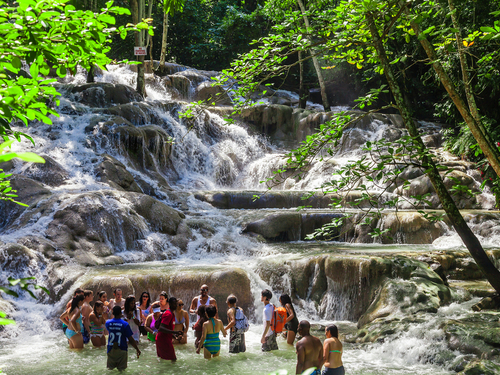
(169, 8)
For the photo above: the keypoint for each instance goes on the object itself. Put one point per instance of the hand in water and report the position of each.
(263, 340)
(198, 351)
(138, 353)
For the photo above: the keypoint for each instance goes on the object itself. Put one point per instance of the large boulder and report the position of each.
(50, 173)
(277, 227)
(411, 228)
(183, 283)
(207, 92)
(101, 94)
(115, 174)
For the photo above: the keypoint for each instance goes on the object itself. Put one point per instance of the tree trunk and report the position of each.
(321, 81)
(164, 41)
(477, 130)
(454, 215)
(302, 91)
(136, 6)
(150, 38)
(91, 75)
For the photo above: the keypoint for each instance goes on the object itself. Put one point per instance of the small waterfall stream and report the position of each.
(90, 228)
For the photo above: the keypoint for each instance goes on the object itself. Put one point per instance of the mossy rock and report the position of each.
(481, 367)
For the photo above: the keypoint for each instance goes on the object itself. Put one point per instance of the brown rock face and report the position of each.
(100, 94)
(114, 173)
(205, 91)
(182, 284)
(50, 173)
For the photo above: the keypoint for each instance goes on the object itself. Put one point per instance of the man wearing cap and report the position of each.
(119, 332)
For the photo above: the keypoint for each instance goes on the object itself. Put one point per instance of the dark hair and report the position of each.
(101, 293)
(116, 290)
(75, 301)
(148, 302)
(164, 294)
(267, 293)
(201, 310)
(284, 299)
(334, 331)
(77, 291)
(87, 293)
(117, 311)
(211, 310)
(232, 299)
(127, 304)
(98, 304)
(172, 300)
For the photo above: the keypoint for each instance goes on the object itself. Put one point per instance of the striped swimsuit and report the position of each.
(212, 341)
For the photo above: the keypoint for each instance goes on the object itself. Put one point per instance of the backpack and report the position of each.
(242, 321)
(278, 320)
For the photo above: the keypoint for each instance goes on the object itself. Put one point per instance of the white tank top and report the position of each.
(204, 304)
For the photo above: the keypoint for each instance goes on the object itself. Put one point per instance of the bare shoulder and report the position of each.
(213, 301)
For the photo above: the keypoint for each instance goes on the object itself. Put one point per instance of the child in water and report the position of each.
(97, 320)
(210, 340)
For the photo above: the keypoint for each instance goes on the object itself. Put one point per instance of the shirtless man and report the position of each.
(117, 301)
(86, 310)
(332, 352)
(203, 299)
(309, 350)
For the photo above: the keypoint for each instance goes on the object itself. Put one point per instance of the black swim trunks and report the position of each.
(333, 371)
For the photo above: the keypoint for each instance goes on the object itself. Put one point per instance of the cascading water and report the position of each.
(113, 240)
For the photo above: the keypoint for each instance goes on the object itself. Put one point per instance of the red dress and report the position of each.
(164, 346)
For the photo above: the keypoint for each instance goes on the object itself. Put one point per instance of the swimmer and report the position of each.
(309, 350)
(181, 323)
(97, 320)
(103, 297)
(86, 310)
(163, 302)
(144, 305)
(332, 352)
(210, 340)
(77, 292)
(75, 325)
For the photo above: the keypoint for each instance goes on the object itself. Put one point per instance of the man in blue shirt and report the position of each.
(119, 332)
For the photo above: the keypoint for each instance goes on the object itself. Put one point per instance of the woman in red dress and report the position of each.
(164, 346)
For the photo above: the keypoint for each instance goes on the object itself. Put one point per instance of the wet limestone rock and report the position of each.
(115, 174)
(50, 173)
(101, 94)
(205, 91)
(481, 367)
(411, 228)
(277, 227)
(488, 303)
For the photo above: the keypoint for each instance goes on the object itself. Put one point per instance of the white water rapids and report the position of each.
(209, 156)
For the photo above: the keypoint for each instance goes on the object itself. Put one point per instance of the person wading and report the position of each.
(332, 352)
(164, 347)
(309, 350)
(236, 337)
(202, 300)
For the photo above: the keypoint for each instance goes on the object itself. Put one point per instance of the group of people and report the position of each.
(165, 323)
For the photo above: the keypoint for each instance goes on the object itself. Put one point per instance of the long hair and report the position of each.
(284, 299)
(97, 304)
(334, 331)
(75, 301)
(148, 302)
(127, 304)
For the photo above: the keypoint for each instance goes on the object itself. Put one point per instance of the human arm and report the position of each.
(202, 340)
(289, 310)
(186, 322)
(86, 311)
(73, 324)
(137, 317)
(213, 302)
(231, 317)
(64, 317)
(301, 357)
(147, 325)
(267, 328)
(224, 333)
(193, 308)
(134, 344)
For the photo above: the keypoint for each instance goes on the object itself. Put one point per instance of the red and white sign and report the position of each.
(140, 51)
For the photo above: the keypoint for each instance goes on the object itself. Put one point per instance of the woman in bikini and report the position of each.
(144, 305)
(163, 302)
(97, 319)
(210, 340)
(292, 322)
(75, 324)
(332, 352)
(181, 323)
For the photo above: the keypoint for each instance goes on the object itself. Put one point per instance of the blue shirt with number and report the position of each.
(119, 332)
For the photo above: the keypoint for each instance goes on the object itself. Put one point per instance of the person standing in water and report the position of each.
(119, 332)
(164, 347)
(292, 322)
(132, 315)
(332, 352)
(150, 324)
(117, 301)
(73, 317)
(163, 301)
(145, 305)
(202, 300)
(86, 310)
(181, 323)
(77, 292)
(103, 297)
(198, 326)
(268, 339)
(236, 337)
(97, 320)
(210, 340)
(309, 350)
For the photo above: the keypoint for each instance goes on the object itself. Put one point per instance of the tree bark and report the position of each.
(164, 41)
(477, 130)
(302, 93)
(136, 6)
(321, 81)
(454, 215)
(91, 75)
